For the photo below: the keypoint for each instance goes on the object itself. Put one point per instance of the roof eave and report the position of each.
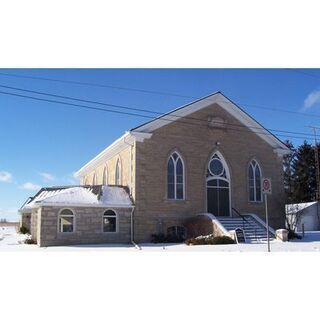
(118, 145)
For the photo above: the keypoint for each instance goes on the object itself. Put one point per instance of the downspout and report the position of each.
(132, 211)
(132, 233)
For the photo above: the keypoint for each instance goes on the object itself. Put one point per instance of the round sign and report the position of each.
(266, 184)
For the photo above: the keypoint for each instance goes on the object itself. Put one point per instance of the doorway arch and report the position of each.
(218, 186)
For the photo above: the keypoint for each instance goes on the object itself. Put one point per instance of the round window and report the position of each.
(216, 167)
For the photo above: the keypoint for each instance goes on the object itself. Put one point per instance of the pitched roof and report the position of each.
(145, 130)
(99, 196)
(297, 207)
(224, 102)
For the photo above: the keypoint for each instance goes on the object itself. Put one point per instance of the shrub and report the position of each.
(158, 238)
(292, 235)
(29, 241)
(210, 239)
(169, 238)
(23, 230)
(222, 240)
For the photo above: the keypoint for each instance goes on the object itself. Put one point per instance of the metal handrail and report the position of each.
(245, 220)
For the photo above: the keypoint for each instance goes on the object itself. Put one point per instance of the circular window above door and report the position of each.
(216, 167)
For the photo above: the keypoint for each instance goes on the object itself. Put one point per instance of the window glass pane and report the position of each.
(179, 167)
(66, 212)
(170, 190)
(174, 156)
(170, 171)
(223, 183)
(181, 232)
(250, 172)
(212, 183)
(170, 179)
(251, 194)
(179, 191)
(257, 173)
(179, 178)
(258, 193)
(109, 213)
(216, 167)
(251, 182)
(109, 224)
(170, 167)
(66, 224)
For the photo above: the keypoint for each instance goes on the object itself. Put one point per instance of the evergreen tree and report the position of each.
(289, 173)
(303, 168)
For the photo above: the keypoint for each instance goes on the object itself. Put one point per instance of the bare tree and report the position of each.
(293, 216)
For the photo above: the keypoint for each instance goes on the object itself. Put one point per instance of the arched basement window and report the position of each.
(254, 179)
(175, 172)
(109, 223)
(66, 221)
(118, 173)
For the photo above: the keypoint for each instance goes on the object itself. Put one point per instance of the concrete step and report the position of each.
(253, 230)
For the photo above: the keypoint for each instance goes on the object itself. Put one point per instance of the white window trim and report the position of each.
(105, 175)
(94, 179)
(175, 177)
(117, 221)
(227, 179)
(74, 220)
(254, 182)
(119, 166)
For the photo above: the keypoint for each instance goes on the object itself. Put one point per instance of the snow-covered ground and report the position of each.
(10, 240)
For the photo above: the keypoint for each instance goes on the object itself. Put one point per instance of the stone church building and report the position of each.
(208, 156)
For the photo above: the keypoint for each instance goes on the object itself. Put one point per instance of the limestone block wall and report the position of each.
(26, 220)
(105, 173)
(196, 143)
(87, 228)
(34, 223)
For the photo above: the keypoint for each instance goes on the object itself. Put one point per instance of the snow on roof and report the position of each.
(296, 207)
(104, 196)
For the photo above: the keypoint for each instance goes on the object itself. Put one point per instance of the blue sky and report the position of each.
(43, 144)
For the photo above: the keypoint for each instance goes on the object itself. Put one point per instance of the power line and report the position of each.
(157, 92)
(99, 85)
(139, 109)
(131, 114)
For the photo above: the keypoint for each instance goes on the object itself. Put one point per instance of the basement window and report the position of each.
(66, 221)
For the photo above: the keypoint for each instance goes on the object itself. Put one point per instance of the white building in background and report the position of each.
(307, 214)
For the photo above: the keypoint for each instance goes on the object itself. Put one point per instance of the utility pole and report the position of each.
(316, 155)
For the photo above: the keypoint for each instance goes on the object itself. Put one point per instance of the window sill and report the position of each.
(176, 200)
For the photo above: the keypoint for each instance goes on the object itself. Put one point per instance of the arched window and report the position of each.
(109, 222)
(218, 186)
(94, 179)
(66, 221)
(118, 173)
(254, 179)
(105, 176)
(175, 172)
